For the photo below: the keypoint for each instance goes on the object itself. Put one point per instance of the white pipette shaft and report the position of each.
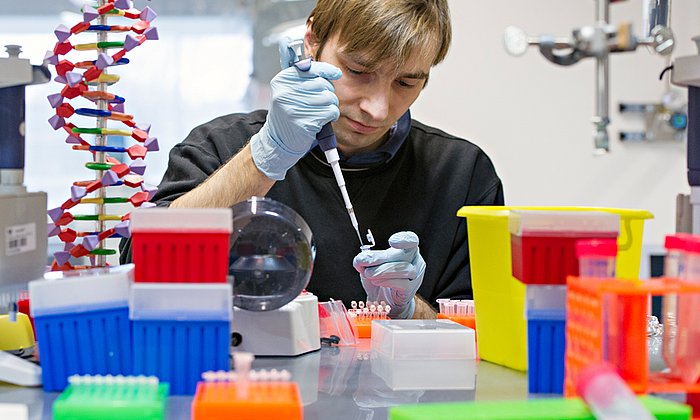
(333, 159)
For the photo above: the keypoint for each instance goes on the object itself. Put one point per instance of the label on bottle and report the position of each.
(20, 238)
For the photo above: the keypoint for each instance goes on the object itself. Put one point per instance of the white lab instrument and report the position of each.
(18, 371)
(270, 262)
(22, 214)
(290, 330)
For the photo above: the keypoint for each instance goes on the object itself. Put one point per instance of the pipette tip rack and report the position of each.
(254, 394)
(363, 313)
(112, 397)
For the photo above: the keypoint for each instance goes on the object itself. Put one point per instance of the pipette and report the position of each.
(326, 138)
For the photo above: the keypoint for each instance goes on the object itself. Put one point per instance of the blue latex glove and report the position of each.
(393, 275)
(302, 103)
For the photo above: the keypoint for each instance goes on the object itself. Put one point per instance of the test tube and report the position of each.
(242, 361)
(441, 304)
(689, 263)
(683, 347)
(450, 307)
(470, 306)
(596, 257)
(461, 308)
(673, 267)
(674, 262)
(608, 396)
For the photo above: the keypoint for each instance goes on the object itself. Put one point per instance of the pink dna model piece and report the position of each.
(90, 80)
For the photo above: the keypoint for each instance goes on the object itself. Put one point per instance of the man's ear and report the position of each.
(310, 40)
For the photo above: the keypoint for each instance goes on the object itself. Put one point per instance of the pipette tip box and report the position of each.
(180, 331)
(82, 323)
(112, 398)
(543, 243)
(545, 311)
(181, 245)
(418, 339)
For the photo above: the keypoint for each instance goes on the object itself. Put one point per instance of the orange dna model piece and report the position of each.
(606, 321)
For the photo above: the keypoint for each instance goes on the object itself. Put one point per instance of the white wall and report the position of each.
(533, 117)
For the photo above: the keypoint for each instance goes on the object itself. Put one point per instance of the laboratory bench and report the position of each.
(346, 383)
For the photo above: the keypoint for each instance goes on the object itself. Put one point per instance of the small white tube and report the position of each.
(242, 362)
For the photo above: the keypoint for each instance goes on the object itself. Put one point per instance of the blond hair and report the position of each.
(384, 29)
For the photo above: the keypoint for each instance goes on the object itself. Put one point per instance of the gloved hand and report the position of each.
(393, 275)
(302, 103)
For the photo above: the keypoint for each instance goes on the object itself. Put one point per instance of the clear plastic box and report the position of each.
(404, 375)
(430, 339)
(181, 302)
(80, 290)
(545, 302)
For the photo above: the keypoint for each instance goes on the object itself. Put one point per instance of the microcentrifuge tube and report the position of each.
(242, 361)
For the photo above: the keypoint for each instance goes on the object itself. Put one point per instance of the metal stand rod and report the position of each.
(602, 77)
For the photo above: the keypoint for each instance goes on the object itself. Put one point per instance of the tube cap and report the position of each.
(677, 241)
(691, 243)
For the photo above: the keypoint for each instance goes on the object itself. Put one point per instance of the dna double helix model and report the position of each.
(88, 81)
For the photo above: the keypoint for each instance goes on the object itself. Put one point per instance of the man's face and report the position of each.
(371, 102)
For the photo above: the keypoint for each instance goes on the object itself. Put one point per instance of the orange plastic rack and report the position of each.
(606, 320)
(261, 401)
(466, 320)
(363, 327)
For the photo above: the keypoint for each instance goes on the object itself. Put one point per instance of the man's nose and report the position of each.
(375, 102)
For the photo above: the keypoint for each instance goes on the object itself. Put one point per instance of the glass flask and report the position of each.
(271, 256)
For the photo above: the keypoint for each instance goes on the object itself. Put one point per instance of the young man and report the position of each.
(406, 180)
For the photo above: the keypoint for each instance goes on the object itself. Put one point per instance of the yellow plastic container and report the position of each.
(499, 298)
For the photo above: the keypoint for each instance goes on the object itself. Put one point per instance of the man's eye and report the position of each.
(354, 71)
(406, 84)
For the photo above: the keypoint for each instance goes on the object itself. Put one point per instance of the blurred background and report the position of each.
(533, 118)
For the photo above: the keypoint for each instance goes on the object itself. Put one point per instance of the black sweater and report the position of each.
(420, 189)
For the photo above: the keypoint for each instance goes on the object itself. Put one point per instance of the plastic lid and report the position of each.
(677, 241)
(179, 220)
(545, 302)
(406, 339)
(531, 222)
(596, 248)
(181, 301)
(80, 290)
(591, 373)
(691, 243)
